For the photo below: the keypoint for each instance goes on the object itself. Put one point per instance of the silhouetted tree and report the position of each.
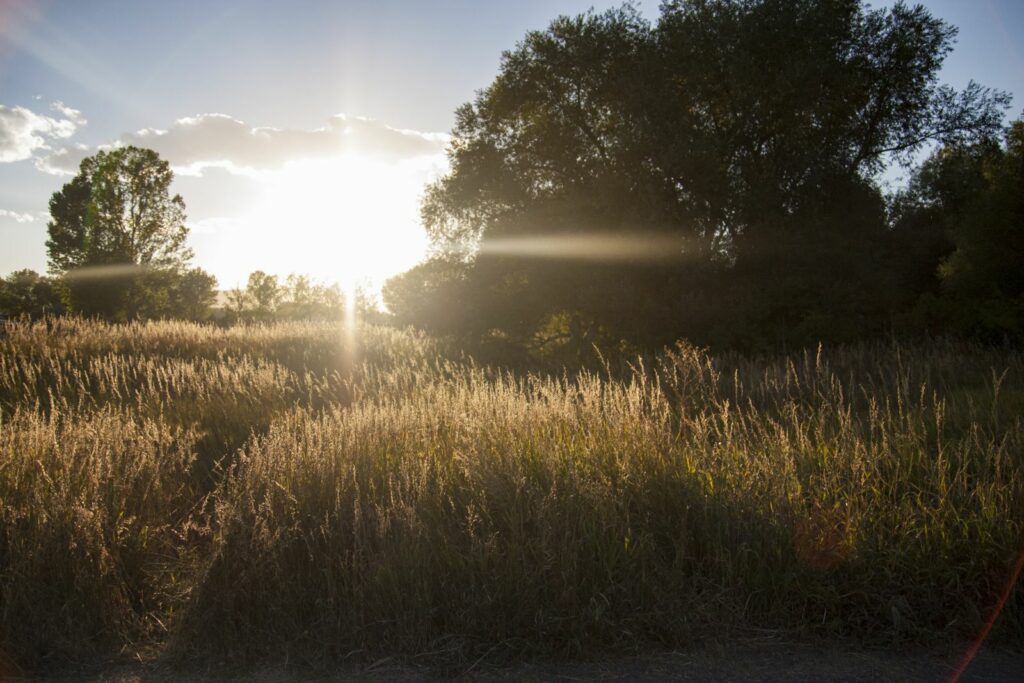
(26, 292)
(238, 302)
(298, 299)
(433, 295)
(302, 299)
(749, 131)
(112, 226)
(193, 294)
(968, 201)
(264, 293)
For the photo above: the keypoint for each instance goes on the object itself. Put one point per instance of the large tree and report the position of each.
(750, 132)
(117, 234)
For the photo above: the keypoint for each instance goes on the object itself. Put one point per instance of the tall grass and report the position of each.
(96, 513)
(315, 500)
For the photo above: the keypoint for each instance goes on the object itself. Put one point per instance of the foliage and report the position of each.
(193, 294)
(983, 273)
(118, 239)
(297, 491)
(237, 302)
(26, 292)
(299, 298)
(264, 293)
(966, 206)
(303, 299)
(433, 295)
(743, 134)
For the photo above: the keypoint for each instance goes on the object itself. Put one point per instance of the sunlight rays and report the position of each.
(350, 326)
(349, 219)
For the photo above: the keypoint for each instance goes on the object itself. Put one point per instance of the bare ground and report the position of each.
(783, 662)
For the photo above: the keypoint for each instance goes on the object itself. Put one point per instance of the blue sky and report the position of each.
(92, 72)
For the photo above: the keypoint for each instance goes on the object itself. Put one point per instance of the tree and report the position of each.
(749, 132)
(193, 294)
(237, 302)
(113, 222)
(970, 199)
(302, 299)
(987, 262)
(264, 293)
(26, 292)
(298, 298)
(433, 296)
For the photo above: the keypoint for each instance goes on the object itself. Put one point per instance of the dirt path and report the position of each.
(786, 663)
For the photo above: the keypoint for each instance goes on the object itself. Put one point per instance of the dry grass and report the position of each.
(276, 492)
(96, 515)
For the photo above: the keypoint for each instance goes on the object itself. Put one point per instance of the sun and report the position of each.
(349, 219)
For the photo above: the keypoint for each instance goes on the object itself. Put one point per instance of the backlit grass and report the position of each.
(284, 492)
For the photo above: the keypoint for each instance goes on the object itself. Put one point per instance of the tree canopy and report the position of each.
(265, 298)
(26, 292)
(118, 210)
(117, 238)
(960, 226)
(740, 139)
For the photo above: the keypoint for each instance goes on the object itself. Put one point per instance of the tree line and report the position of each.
(751, 137)
(264, 298)
(116, 247)
(717, 174)
(117, 250)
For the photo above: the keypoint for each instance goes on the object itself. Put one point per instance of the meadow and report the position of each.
(305, 493)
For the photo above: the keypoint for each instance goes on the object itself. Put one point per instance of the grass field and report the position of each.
(304, 493)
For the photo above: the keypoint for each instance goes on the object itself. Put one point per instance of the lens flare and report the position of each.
(112, 270)
(349, 326)
(646, 247)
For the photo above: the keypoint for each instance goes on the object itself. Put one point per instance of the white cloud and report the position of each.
(68, 113)
(22, 131)
(64, 161)
(17, 217)
(196, 143)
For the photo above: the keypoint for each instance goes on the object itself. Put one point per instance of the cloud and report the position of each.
(64, 161)
(22, 131)
(196, 143)
(17, 217)
(68, 113)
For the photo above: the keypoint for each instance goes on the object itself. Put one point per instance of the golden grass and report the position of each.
(272, 492)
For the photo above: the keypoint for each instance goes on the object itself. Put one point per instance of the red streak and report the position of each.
(965, 661)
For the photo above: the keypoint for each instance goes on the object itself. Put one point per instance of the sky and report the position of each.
(301, 133)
